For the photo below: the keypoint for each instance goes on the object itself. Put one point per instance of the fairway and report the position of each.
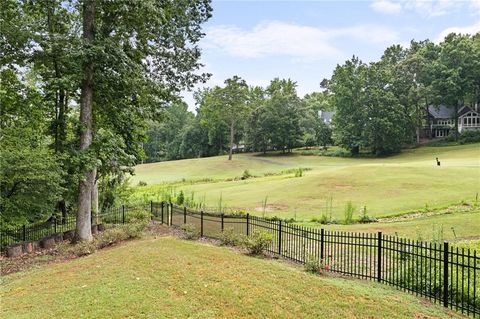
(170, 278)
(410, 181)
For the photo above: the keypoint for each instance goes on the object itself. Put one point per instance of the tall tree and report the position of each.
(228, 105)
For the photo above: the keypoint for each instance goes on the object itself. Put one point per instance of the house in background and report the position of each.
(326, 116)
(441, 120)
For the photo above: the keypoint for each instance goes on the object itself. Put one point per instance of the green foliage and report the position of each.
(364, 218)
(258, 242)
(466, 137)
(314, 265)
(299, 172)
(230, 238)
(190, 231)
(348, 213)
(246, 174)
(181, 198)
(142, 183)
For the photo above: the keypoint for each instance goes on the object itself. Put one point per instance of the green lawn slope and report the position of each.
(171, 278)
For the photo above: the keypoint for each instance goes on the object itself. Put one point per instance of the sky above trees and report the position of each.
(304, 41)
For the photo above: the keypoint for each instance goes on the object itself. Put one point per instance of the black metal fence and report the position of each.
(442, 273)
(55, 224)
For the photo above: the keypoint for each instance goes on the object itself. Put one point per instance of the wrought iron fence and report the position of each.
(437, 271)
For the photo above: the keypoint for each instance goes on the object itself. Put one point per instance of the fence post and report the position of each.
(184, 214)
(163, 205)
(222, 221)
(322, 245)
(123, 214)
(24, 233)
(201, 223)
(248, 224)
(171, 214)
(445, 274)
(280, 237)
(379, 257)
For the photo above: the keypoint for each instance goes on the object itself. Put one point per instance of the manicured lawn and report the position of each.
(403, 183)
(170, 278)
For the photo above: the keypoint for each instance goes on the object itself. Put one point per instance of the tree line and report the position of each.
(379, 107)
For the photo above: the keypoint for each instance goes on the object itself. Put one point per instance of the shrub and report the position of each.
(138, 215)
(246, 175)
(348, 213)
(299, 172)
(180, 198)
(229, 238)
(258, 241)
(79, 249)
(111, 236)
(315, 266)
(135, 228)
(190, 231)
(364, 218)
(142, 183)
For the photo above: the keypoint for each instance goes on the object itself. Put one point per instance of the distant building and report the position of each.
(326, 116)
(440, 120)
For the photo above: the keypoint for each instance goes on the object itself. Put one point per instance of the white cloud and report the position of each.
(472, 29)
(385, 6)
(304, 43)
(425, 8)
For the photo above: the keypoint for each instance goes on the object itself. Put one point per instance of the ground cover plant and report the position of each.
(166, 277)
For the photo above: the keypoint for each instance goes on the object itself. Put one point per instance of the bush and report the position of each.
(181, 198)
(137, 215)
(111, 236)
(190, 231)
(315, 266)
(135, 228)
(258, 242)
(299, 172)
(142, 183)
(364, 218)
(229, 238)
(79, 249)
(246, 175)
(465, 137)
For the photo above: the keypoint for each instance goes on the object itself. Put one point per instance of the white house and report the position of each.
(441, 120)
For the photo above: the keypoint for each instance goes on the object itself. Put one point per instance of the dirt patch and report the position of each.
(271, 207)
(463, 208)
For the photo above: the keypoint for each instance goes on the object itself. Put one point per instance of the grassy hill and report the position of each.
(406, 182)
(170, 278)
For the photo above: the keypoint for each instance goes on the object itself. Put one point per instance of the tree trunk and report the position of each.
(232, 132)
(83, 230)
(95, 210)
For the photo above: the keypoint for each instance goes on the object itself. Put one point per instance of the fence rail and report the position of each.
(439, 272)
(55, 225)
(442, 273)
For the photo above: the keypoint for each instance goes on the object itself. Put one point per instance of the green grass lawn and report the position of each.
(387, 186)
(170, 278)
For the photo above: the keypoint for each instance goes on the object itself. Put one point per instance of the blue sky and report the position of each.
(305, 40)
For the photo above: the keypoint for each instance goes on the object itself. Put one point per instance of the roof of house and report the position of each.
(325, 115)
(465, 110)
(441, 111)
